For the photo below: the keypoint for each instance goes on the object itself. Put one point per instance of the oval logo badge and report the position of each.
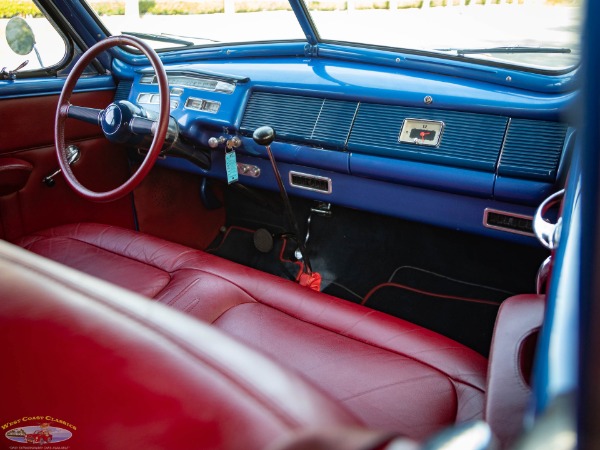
(38, 434)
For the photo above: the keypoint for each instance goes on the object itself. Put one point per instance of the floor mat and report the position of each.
(237, 244)
(445, 280)
(413, 293)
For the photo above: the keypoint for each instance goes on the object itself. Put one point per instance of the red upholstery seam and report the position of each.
(114, 253)
(452, 382)
(179, 295)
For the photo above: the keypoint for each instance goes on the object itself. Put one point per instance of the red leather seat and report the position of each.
(99, 367)
(389, 373)
(508, 389)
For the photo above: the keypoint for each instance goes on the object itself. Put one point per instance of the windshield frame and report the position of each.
(305, 17)
(314, 46)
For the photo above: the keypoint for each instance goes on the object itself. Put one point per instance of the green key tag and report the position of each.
(231, 166)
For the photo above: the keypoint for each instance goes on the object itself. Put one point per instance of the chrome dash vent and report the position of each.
(310, 182)
(510, 222)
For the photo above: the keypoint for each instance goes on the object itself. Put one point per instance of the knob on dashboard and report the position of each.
(213, 142)
(264, 135)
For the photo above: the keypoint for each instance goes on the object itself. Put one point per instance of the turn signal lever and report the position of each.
(265, 136)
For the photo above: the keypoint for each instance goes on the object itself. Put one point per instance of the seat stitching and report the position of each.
(386, 386)
(170, 274)
(288, 314)
(412, 358)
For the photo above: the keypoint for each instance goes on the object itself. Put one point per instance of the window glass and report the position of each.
(535, 34)
(181, 23)
(26, 35)
(538, 34)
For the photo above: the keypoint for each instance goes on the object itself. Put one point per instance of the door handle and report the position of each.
(73, 154)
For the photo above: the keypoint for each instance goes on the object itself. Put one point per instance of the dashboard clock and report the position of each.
(421, 132)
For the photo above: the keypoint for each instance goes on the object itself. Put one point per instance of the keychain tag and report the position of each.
(231, 166)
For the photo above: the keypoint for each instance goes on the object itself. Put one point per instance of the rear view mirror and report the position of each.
(19, 36)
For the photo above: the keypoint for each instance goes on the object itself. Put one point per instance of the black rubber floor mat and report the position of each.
(441, 284)
(438, 312)
(439, 302)
(363, 255)
(237, 244)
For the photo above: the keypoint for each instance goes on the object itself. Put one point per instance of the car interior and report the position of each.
(284, 245)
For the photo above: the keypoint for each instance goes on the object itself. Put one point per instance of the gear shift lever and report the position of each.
(265, 136)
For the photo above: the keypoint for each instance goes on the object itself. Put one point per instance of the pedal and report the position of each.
(263, 240)
(321, 209)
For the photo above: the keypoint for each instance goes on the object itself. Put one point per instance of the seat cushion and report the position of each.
(110, 369)
(392, 374)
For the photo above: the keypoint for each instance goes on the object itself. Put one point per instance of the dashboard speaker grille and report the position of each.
(533, 149)
(525, 149)
(468, 140)
(296, 118)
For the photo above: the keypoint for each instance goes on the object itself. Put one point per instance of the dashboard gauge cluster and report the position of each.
(147, 98)
(193, 81)
(200, 104)
(187, 88)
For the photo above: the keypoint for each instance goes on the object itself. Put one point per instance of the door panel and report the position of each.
(29, 122)
(26, 135)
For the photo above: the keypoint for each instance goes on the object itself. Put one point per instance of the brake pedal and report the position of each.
(263, 240)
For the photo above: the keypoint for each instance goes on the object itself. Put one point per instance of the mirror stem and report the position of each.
(37, 54)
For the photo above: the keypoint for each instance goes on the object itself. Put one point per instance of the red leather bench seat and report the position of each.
(107, 369)
(389, 373)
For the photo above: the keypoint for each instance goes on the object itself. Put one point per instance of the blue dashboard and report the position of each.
(501, 150)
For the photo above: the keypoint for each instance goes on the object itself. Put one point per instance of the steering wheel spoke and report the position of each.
(89, 115)
(143, 126)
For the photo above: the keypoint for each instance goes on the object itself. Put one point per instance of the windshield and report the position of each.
(534, 34)
(200, 22)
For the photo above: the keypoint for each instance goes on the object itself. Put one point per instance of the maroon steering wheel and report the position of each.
(113, 115)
